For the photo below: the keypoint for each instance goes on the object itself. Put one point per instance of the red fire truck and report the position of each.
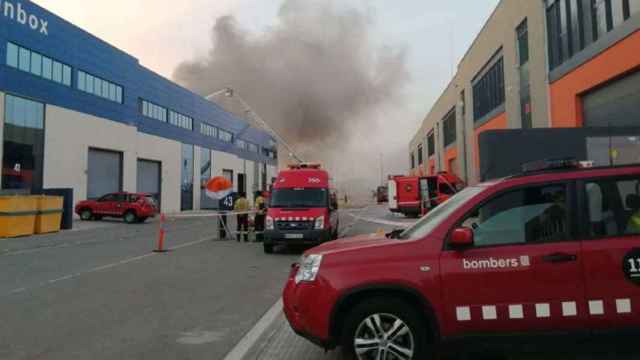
(414, 196)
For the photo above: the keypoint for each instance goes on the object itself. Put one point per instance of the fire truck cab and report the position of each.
(303, 208)
(414, 196)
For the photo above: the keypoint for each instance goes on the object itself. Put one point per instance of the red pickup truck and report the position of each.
(132, 207)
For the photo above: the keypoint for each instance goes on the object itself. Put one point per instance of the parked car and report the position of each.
(555, 250)
(132, 207)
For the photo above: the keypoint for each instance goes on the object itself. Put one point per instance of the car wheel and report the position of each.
(385, 328)
(268, 248)
(86, 215)
(130, 217)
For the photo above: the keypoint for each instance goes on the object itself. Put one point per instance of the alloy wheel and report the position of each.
(384, 337)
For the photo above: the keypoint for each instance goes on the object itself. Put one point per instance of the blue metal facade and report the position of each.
(75, 47)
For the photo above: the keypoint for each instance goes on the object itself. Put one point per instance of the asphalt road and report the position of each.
(100, 293)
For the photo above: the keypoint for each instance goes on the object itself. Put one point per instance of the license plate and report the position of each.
(293, 236)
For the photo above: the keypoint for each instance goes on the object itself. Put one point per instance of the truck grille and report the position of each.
(294, 225)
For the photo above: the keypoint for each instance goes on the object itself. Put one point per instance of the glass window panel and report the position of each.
(112, 92)
(25, 58)
(12, 55)
(105, 89)
(47, 66)
(145, 108)
(97, 86)
(617, 13)
(9, 105)
(600, 17)
(119, 94)
(82, 80)
(36, 64)
(66, 75)
(90, 85)
(57, 72)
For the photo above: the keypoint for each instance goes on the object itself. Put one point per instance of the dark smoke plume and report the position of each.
(314, 76)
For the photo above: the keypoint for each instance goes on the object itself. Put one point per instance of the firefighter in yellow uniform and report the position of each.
(242, 205)
(261, 213)
(633, 226)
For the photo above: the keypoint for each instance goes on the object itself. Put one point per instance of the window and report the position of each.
(488, 91)
(208, 130)
(431, 144)
(99, 87)
(577, 25)
(613, 207)
(154, 111)
(253, 148)
(36, 64)
(633, 6)
(532, 215)
(420, 152)
(47, 66)
(449, 127)
(12, 55)
(225, 136)
(413, 160)
(617, 12)
(600, 18)
(57, 72)
(205, 167)
(180, 120)
(241, 144)
(444, 188)
(23, 144)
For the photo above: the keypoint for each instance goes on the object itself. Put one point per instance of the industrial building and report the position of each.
(82, 114)
(535, 64)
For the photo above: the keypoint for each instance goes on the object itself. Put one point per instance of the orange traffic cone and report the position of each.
(160, 246)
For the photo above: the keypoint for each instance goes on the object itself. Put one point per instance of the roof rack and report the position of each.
(305, 166)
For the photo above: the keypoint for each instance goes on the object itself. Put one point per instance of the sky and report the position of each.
(162, 34)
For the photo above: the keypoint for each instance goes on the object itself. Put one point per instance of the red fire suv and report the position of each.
(554, 250)
(303, 209)
(133, 208)
(414, 196)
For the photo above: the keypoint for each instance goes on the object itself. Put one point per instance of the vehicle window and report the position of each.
(531, 215)
(441, 212)
(134, 198)
(120, 198)
(109, 197)
(613, 207)
(299, 198)
(445, 189)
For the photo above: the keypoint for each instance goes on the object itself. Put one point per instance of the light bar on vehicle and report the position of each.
(305, 166)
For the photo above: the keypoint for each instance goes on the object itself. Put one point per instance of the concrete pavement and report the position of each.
(102, 294)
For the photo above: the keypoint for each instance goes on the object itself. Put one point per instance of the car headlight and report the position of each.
(269, 223)
(319, 223)
(309, 267)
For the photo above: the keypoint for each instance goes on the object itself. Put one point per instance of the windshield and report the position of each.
(435, 217)
(299, 198)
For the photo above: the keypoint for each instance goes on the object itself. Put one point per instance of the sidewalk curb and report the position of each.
(241, 349)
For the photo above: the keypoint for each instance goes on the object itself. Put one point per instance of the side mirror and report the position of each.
(461, 237)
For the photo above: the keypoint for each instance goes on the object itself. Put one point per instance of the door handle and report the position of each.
(559, 258)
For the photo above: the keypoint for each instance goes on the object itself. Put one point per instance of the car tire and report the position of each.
(130, 217)
(86, 215)
(409, 338)
(268, 248)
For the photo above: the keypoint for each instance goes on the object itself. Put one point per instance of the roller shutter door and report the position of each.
(149, 178)
(617, 104)
(104, 174)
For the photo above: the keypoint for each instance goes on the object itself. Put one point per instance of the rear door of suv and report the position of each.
(611, 249)
(524, 271)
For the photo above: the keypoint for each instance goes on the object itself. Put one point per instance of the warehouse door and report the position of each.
(104, 174)
(617, 104)
(150, 178)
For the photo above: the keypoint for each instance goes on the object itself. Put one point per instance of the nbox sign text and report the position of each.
(16, 12)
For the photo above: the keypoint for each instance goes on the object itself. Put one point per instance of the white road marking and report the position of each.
(250, 338)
